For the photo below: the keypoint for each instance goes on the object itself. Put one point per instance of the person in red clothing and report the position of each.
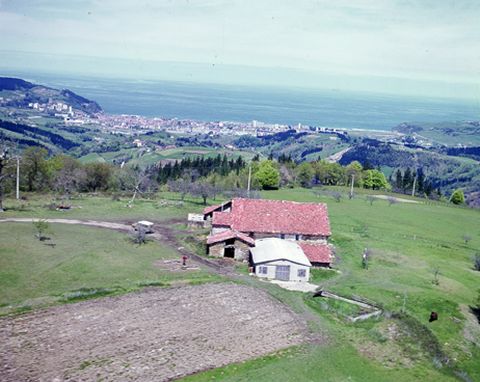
(184, 260)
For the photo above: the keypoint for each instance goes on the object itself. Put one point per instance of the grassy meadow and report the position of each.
(409, 243)
(84, 262)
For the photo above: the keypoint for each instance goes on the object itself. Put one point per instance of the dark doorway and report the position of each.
(229, 252)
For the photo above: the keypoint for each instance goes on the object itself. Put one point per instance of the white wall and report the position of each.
(271, 268)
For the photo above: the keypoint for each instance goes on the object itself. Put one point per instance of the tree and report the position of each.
(399, 180)
(305, 174)
(140, 235)
(135, 180)
(375, 180)
(337, 196)
(5, 159)
(354, 169)
(181, 186)
(97, 176)
(436, 274)
(457, 197)
(407, 179)
(391, 200)
(267, 175)
(34, 168)
(476, 262)
(41, 227)
(202, 189)
(68, 176)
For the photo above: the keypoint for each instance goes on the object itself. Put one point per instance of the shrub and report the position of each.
(476, 262)
(457, 197)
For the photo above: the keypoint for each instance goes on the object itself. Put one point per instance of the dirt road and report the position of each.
(153, 335)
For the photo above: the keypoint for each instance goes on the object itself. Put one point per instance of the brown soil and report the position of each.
(153, 335)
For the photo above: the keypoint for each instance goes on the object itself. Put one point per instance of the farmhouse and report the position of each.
(240, 227)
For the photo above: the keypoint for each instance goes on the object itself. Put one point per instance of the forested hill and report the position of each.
(20, 93)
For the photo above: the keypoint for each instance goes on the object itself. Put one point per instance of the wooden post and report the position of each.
(351, 187)
(249, 177)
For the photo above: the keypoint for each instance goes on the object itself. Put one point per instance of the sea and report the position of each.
(211, 102)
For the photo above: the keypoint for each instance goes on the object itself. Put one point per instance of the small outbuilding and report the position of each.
(278, 259)
(230, 244)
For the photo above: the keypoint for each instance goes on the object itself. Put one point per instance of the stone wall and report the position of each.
(242, 250)
(216, 250)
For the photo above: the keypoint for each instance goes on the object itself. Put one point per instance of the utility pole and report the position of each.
(249, 178)
(18, 178)
(414, 184)
(351, 186)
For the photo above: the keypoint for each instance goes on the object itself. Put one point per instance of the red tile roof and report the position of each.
(317, 253)
(222, 219)
(207, 210)
(225, 235)
(275, 216)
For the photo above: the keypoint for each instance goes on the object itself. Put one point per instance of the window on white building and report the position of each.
(302, 273)
(262, 270)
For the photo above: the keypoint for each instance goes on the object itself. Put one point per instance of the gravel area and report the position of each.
(153, 335)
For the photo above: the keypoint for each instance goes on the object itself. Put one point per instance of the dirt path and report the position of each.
(337, 156)
(93, 223)
(400, 200)
(153, 335)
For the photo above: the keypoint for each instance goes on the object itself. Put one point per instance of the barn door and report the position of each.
(282, 272)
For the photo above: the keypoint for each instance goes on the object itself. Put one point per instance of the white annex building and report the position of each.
(274, 258)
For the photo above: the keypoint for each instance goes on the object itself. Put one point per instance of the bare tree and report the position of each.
(366, 258)
(242, 193)
(135, 180)
(337, 196)
(181, 186)
(392, 200)
(466, 238)
(476, 262)
(436, 274)
(203, 190)
(5, 159)
(140, 235)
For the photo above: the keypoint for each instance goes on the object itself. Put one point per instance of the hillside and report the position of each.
(15, 92)
(408, 241)
(444, 171)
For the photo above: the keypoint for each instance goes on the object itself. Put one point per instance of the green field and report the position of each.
(163, 207)
(144, 158)
(84, 262)
(408, 242)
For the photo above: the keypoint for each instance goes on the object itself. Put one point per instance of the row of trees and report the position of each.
(202, 177)
(412, 181)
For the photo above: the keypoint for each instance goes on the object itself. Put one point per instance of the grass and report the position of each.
(85, 262)
(407, 242)
(164, 206)
(338, 362)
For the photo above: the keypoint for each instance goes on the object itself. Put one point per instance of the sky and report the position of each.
(425, 47)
